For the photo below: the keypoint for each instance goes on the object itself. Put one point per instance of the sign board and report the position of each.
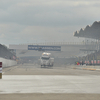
(44, 48)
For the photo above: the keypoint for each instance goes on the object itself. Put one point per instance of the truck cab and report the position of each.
(46, 59)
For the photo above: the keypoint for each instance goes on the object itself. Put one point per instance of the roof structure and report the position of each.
(92, 31)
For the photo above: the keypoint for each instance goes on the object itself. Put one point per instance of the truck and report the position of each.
(46, 60)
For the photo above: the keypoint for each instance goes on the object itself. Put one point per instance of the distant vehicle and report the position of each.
(46, 59)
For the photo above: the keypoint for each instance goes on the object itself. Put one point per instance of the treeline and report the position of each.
(6, 53)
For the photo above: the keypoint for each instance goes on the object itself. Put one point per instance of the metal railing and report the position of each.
(62, 43)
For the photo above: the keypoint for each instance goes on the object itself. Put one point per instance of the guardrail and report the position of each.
(63, 43)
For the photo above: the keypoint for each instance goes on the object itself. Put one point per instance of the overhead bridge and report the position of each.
(59, 50)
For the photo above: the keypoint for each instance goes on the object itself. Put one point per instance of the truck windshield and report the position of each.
(45, 58)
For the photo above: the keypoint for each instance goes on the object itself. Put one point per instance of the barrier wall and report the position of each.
(7, 62)
(85, 67)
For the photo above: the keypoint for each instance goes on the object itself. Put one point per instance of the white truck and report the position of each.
(46, 59)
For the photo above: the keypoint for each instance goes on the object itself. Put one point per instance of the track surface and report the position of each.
(32, 69)
(49, 83)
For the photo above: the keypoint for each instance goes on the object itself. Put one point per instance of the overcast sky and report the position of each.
(31, 21)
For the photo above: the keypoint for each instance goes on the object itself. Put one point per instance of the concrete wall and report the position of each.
(7, 62)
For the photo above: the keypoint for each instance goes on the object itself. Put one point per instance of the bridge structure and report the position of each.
(58, 50)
